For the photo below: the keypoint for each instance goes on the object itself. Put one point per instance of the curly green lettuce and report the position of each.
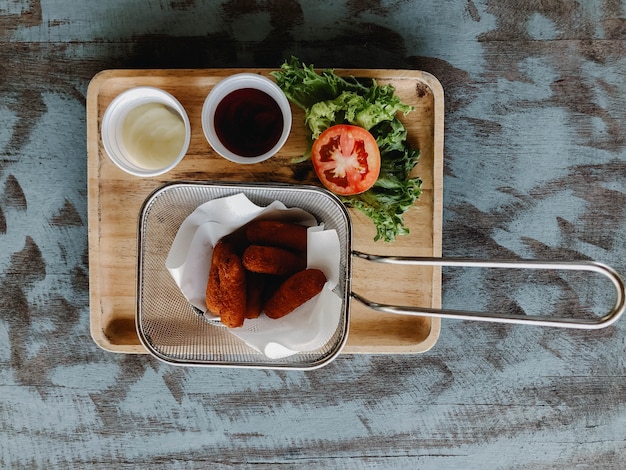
(327, 100)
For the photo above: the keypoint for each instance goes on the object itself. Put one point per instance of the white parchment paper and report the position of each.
(308, 327)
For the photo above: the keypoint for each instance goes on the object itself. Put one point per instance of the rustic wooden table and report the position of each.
(534, 166)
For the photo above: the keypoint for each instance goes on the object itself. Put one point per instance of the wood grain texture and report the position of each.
(115, 200)
(535, 165)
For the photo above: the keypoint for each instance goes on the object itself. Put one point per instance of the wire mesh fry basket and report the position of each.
(171, 330)
(167, 324)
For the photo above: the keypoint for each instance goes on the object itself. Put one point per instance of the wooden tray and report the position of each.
(115, 199)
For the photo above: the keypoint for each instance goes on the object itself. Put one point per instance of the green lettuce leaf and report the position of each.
(327, 100)
(352, 108)
(304, 86)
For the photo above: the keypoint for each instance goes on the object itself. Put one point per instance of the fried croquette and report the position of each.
(292, 293)
(272, 260)
(226, 287)
(275, 233)
(232, 291)
(213, 301)
(256, 293)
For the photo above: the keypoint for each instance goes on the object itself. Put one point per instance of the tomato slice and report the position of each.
(346, 159)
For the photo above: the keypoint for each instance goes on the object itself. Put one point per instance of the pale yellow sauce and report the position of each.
(153, 135)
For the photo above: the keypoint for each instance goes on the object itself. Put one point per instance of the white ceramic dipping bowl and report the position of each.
(224, 88)
(113, 123)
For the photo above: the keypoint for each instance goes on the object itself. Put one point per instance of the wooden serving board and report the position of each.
(115, 199)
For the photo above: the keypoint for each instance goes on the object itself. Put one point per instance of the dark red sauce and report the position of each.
(248, 122)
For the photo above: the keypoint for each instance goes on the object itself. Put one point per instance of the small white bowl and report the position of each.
(113, 126)
(227, 86)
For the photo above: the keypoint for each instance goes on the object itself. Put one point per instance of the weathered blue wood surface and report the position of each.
(535, 166)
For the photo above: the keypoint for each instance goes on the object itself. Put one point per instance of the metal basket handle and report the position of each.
(580, 323)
